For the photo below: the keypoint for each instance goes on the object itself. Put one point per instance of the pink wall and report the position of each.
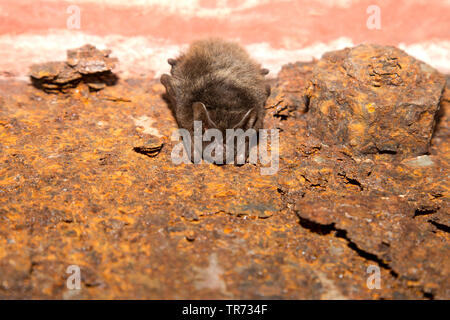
(143, 33)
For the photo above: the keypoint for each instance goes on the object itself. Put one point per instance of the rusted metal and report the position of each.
(288, 97)
(86, 64)
(374, 99)
(74, 191)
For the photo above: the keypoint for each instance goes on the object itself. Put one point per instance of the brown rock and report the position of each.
(288, 96)
(384, 229)
(86, 64)
(88, 60)
(190, 235)
(54, 76)
(374, 99)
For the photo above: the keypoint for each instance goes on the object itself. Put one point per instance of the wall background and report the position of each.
(144, 33)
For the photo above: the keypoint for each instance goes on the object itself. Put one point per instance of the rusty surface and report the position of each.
(374, 99)
(288, 98)
(86, 179)
(86, 65)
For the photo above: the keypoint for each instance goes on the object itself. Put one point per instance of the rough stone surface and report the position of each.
(289, 91)
(86, 179)
(86, 64)
(374, 99)
(89, 60)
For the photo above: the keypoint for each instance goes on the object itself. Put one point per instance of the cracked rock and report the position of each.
(382, 229)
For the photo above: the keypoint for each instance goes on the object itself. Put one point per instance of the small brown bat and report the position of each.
(216, 82)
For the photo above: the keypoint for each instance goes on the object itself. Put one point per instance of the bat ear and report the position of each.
(264, 71)
(171, 61)
(247, 121)
(167, 82)
(202, 114)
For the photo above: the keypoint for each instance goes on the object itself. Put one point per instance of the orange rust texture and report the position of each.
(74, 191)
(374, 99)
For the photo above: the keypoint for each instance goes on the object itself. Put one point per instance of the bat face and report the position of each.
(216, 83)
(227, 142)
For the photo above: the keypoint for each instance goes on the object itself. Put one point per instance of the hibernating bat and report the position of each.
(218, 83)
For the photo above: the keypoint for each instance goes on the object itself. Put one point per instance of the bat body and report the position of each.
(216, 82)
